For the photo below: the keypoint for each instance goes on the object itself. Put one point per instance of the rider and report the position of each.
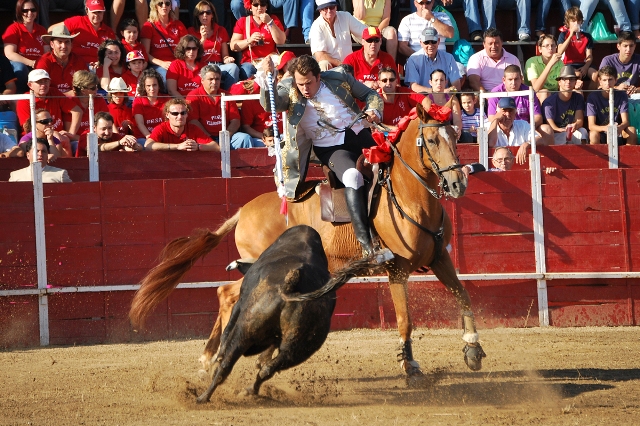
(318, 105)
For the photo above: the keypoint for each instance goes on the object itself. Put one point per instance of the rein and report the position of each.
(438, 236)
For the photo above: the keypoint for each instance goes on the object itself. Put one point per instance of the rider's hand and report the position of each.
(372, 117)
(267, 65)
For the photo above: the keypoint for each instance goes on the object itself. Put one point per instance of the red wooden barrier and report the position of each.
(110, 233)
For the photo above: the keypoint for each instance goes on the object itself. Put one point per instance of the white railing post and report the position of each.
(538, 238)
(532, 122)
(224, 140)
(612, 134)
(92, 145)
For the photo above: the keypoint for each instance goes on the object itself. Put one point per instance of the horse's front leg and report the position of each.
(398, 285)
(446, 273)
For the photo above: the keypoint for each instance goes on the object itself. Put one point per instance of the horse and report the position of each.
(407, 217)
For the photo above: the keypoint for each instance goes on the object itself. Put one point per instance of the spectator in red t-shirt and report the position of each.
(215, 41)
(91, 31)
(130, 31)
(183, 74)
(111, 60)
(108, 140)
(136, 64)
(122, 114)
(160, 35)
(577, 46)
(398, 100)
(206, 110)
(61, 63)
(53, 101)
(85, 83)
(368, 61)
(256, 36)
(147, 106)
(23, 44)
(178, 133)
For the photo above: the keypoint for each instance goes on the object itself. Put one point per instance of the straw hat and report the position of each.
(60, 31)
(117, 85)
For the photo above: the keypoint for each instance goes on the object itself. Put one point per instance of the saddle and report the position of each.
(333, 206)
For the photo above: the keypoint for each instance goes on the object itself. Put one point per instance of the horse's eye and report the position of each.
(431, 141)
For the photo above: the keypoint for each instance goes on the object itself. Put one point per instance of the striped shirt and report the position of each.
(471, 120)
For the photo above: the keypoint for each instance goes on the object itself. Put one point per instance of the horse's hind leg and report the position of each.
(446, 273)
(227, 297)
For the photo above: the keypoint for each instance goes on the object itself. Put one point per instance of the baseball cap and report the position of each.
(95, 5)
(37, 75)
(371, 32)
(321, 4)
(507, 103)
(429, 34)
(134, 55)
(285, 57)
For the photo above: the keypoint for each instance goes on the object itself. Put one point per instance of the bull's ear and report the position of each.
(291, 281)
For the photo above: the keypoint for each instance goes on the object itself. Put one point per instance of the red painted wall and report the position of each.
(111, 232)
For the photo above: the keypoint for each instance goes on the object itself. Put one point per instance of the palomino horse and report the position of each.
(408, 219)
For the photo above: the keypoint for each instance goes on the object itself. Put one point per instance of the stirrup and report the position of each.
(380, 256)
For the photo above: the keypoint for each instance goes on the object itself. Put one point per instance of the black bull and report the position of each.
(266, 318)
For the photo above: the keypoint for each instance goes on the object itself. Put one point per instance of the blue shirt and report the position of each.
(419, 67)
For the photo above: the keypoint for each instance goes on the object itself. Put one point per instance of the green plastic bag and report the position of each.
(456, 33)
(598, 29)
(634, 114)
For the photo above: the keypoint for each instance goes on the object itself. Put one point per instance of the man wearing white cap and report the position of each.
(91, 31)
(412, 25)
(331, 33)
(51, 99)
(61, 63)
(421, 64)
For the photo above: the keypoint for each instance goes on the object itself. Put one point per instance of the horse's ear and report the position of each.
(422, 114)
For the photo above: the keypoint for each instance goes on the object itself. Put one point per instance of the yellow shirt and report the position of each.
(374, 10)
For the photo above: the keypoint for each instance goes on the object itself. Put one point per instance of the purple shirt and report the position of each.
(562, 113)
(626, 72)
(598, 106)
(27, 138)
(522, 103)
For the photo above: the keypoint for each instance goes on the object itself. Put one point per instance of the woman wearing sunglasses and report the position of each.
(215, 41)
(85, 83)
(160, 35)
(44, 130)
(23, 44)
(183, 74)
(256, 36)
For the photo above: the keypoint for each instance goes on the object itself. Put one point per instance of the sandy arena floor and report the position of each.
(581, 376)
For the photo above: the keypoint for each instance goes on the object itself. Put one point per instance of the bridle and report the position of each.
(385, 180)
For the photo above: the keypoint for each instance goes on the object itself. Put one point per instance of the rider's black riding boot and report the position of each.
(357, 206)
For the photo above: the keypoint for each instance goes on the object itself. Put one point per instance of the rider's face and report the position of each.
(307, 84)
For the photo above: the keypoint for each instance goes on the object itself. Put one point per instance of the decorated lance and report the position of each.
(276, 144)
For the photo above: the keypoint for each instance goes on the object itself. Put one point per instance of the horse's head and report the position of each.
(430, 146)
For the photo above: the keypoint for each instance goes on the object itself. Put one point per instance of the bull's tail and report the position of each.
(338, 279)
(175, 260)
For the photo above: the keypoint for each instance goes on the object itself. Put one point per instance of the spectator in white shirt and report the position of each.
(412, 25)
(505, 130)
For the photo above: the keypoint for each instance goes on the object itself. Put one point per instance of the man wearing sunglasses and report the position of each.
(398, 100)
(411, 27)
(177, 134)
(331, 33)
(368, 61)
(421, 64)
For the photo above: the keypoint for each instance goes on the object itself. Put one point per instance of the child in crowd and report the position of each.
(118, 100)
(470, 118)
(130, 29)
(136, 64)
(598, 110)
(576, 46)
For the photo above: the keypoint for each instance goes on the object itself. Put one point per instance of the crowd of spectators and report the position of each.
(156, 83)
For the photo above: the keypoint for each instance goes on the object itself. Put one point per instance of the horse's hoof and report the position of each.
(202, 399)
(473, 355)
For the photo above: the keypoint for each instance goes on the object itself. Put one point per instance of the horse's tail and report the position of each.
(338, 279)
(175, 260)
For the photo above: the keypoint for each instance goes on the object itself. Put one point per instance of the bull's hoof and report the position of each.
(473, 355)
(202, 399)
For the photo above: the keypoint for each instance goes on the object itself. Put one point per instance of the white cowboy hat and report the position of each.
(117, 85)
